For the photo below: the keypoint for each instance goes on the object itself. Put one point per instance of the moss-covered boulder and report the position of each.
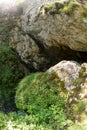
(74, 76)
(41, 95)
(57, 97)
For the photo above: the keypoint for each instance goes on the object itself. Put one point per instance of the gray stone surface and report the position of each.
(74, 76)
(57, 29)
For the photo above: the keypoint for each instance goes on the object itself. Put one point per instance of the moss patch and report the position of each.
(9, 77)
(41, 95)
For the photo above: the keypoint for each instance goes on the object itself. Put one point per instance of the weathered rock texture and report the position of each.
(49, 32)
(74, 77)
(59, 24)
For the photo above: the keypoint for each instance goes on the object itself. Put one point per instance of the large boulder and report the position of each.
(63, 86)
(67, 71)
(57, 30)
(28, 50)
(74, 77)
(59, 24)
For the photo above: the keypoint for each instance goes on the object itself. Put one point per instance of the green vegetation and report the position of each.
(19, 121)
(41, 99)
(9, 77)
(70, 7)
(48, 7)
(58, 7)
(41, 96)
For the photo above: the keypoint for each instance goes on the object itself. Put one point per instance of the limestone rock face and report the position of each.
(50, 31)
(28, 50)
(58, 24)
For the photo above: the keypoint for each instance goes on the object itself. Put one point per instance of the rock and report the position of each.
(28, 50)
(46, 32)
(74, 77)
(60, 26)
(57, 29)
(67, 71)
(70, 80)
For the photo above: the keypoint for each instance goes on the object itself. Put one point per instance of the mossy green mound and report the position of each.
(42, 96)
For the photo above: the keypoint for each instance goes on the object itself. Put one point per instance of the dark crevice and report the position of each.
(39, 44)
(29, 67)
(56, 54)
(45, 51)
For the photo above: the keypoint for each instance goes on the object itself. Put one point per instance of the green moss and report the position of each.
(70, 7)
(65, 9)
(73, 4)
(24, 90)
(9, 77)
(84, 15)
(49, 6)
(39, 86)
(41, 95)
(81, 106)
(57, 7)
